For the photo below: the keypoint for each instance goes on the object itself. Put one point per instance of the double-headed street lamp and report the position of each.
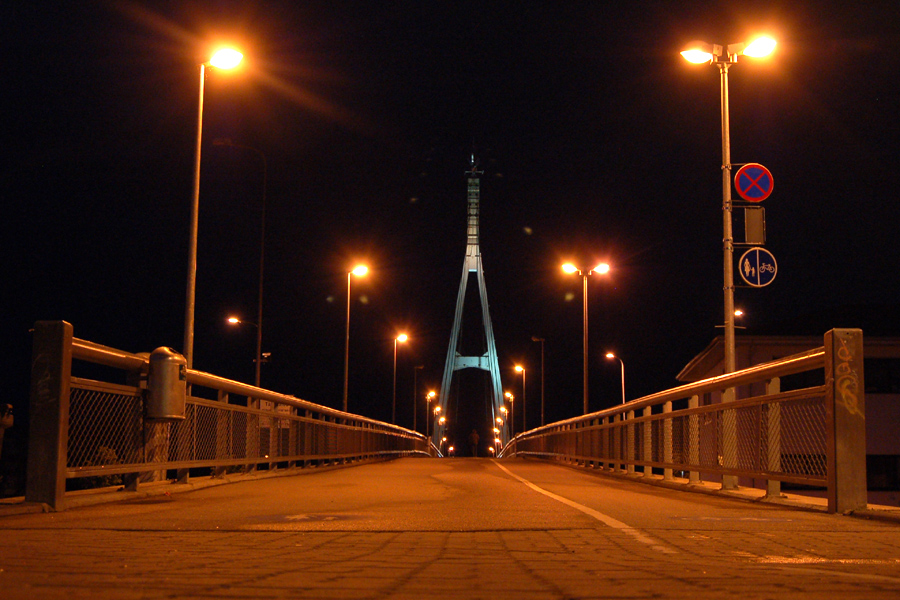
(611, 356)
(602, 269)
(359, 271)
(399, 339)
(723, 57)
(227, 58)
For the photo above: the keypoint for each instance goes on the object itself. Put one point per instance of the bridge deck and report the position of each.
(462, 528)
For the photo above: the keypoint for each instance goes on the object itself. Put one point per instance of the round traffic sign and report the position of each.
(753, 182)
(758, 267)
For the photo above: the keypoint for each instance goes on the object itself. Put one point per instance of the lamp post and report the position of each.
(262, 250)
(611, 356)
(223, 59)
(434, 413)
(238, 321)
(428, 398)
(416, 370)
(359, 271)
(534, 338)
(521, 369)
(723, 57)
(512, 414)
(399, 339)
(602, 268)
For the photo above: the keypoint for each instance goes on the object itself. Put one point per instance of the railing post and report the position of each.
(223, 433)
(667, 440)
(773, 438)
(693, 442)
(729, 440)
(845, 409)
(647, 449)
(629, 444)
(293, 436)
(48, 438)
(185, 441)
(618, 453)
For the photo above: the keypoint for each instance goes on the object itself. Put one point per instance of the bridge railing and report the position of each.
(813, 436)
(94, 429)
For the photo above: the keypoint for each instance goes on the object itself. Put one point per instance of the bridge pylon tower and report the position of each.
(488, 360)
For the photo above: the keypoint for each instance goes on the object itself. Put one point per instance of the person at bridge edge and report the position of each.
(473, 442)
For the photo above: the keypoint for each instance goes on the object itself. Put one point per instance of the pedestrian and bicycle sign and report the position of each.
(758, 267)
(753, 182)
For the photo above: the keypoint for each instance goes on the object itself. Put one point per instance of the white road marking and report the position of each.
(637, 534)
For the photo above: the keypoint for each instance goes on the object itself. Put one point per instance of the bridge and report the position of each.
(665, 496)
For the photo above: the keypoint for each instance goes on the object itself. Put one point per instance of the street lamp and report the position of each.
(521, 369)
(227, 58)
(535, 338)
(401, 339)
(416, 370)
(359, 271)
(723, 57)
(262, 249)
(435, 413)
(602, 269)
(512, 414)
(611, 356)
(428, 398)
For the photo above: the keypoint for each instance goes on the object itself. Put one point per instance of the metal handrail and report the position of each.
(797, 363)
(112, 357)
(814, 435)
(96, 428)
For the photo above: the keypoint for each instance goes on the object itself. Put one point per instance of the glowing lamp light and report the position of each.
(760, 47)
(697, 56)
(569, 268)
(226, 58)
(360, 270)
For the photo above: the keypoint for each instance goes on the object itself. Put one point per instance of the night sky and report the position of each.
(597, 141)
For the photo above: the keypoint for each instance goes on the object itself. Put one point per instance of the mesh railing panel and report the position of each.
(105, 428)
(768, 438)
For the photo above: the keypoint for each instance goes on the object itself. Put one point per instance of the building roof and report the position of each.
(709, 361)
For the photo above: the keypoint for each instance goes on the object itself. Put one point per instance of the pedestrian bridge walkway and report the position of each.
(405, 521)
(443, 528)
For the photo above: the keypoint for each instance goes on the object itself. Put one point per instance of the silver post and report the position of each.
(347, 345)
(192, 242)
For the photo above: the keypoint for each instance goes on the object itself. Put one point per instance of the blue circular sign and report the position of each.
(758, 267)
(754, 182)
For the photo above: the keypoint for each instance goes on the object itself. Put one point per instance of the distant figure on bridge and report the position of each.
(473, 442)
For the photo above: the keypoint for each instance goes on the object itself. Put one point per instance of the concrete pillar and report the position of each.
(845, 407)
(48, 438)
